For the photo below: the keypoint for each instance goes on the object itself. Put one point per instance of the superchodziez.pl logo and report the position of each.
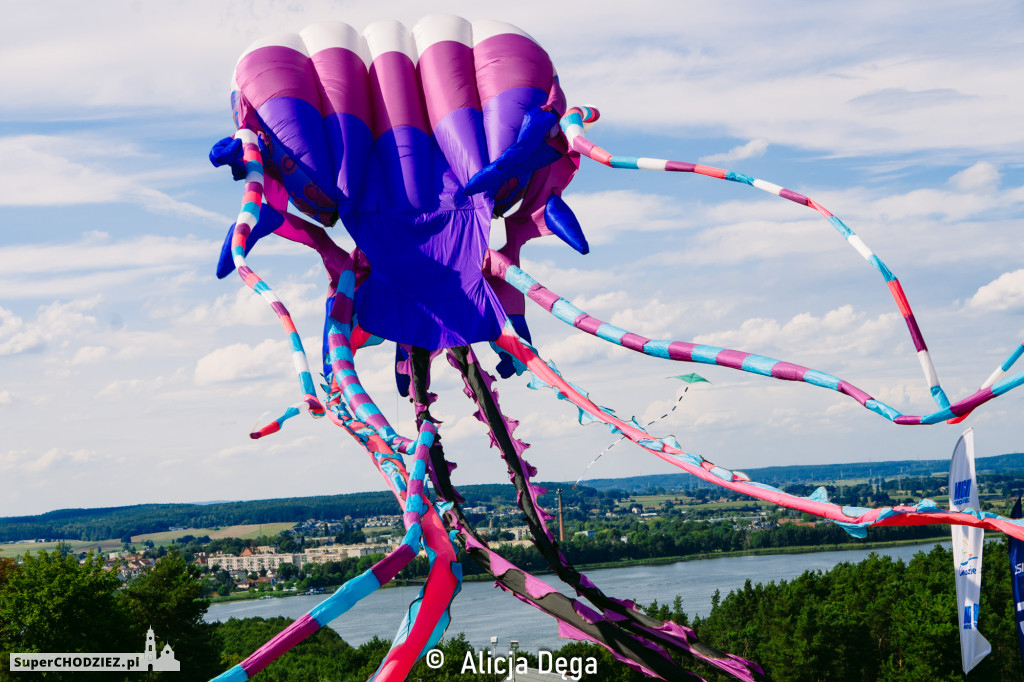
(146, 661)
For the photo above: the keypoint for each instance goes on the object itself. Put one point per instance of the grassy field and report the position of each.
(686, 502)
(245, 532)
(17, 549)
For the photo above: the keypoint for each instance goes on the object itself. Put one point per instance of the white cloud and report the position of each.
(1004, 293)
(575, 347)
(51, 172)
(244, 307)
(6, 398)
(247, 448)
(836, 333)
(300, 443)
(653, 319)
(753, 75)
(54, 458)
(57, 321)
(605, 215)
(750, 150)
(240, 362)
(124, 387)
(90, 354)
(753, 240)
(982, 177)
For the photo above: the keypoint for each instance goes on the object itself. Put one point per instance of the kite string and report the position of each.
(622, 438)
(683, 351)
(577, 119)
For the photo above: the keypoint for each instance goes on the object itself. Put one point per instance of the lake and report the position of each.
(482, 611)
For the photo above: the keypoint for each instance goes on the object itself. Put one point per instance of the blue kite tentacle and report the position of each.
(575, 121)
(853, 520)
(685, 351)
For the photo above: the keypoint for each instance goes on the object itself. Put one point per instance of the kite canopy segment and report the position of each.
(415, 140)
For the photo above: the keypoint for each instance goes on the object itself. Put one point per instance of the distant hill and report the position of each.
(815, 473)
(120, 522)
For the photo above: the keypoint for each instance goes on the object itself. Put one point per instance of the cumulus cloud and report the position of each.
(240, 362)
(1004, 293)
(741, 241)
(839, 331)
(750, 150)
(606, 215)
(90, 354)
(982, 177)
(243, 307)
(55, 322)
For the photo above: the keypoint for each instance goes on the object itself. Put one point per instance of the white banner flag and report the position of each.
(967, 547)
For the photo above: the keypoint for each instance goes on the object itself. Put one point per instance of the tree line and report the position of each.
(879, 619)
(124, 522)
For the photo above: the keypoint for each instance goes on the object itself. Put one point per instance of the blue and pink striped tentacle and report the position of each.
(854, 519)
(501, 267)
(573, 123)
(248, 216)
(352, 408)
(357, 588)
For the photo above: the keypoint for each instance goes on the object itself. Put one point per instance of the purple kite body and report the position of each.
(383, 131)
(414, 141)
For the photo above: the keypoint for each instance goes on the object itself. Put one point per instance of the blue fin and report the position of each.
(563, 222)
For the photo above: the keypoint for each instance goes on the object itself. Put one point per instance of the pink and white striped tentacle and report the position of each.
(248, 216)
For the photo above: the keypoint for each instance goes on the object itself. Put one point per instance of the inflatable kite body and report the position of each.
(384, 131)
(415, 141)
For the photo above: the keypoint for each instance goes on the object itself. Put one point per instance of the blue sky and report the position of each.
(129, 374)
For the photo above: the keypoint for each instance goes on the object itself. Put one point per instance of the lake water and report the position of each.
(482, 611)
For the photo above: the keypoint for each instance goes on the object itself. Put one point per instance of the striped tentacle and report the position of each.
(684, 351)
(354, 410)
(355, 589)
(854, 519)
(573, 123)
(998, 374)
(248, 216)
(641, 651)
(622, 627)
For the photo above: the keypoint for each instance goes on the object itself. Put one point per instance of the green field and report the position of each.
(17, 549)
(246, 532)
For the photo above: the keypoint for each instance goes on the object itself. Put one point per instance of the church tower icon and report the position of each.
(164, 662)
(149, 655)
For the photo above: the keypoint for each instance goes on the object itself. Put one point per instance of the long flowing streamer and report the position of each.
(684, 351)
(248, 216)
(854, 519)
(577, 118)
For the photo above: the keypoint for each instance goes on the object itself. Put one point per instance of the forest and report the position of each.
(879, 619)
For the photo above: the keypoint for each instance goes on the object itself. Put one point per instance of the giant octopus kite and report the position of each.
(415, 141)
